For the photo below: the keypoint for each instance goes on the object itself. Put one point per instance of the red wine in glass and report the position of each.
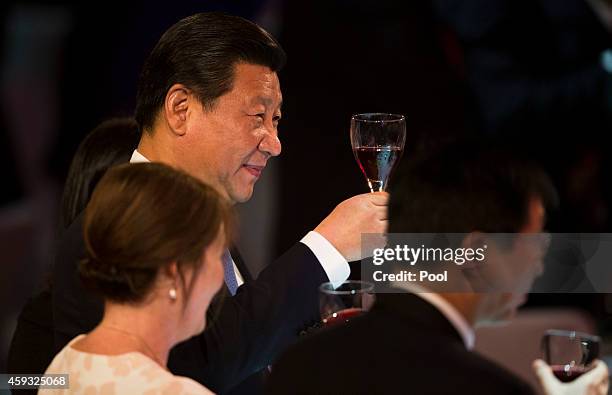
(377, 164)
(343, 316)
(378, 141)
(567, 373)
(569, 353)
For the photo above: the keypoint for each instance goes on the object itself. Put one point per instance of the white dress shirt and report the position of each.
(333, 263)
(447, 310)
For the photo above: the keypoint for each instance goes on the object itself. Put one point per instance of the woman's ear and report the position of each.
(169, 280)
(176, 105)
(171, 272)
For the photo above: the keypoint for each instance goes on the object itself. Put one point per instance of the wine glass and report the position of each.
(378, 143)
(569, 353)
(339, 304)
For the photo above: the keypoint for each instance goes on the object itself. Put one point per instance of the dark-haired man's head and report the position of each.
(209, 101)
(480, 190)
(464, 187)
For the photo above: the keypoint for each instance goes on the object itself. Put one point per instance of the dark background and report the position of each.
(525, 71)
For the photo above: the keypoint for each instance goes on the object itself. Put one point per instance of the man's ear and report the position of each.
(474, 271)
(476, 241)
(176, 105)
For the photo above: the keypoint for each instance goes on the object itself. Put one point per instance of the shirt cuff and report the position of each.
(333, 263)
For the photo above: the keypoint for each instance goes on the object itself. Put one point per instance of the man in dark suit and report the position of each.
(209, 102)
(418, 341)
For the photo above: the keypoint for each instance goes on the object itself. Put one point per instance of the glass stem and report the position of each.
(376, 185)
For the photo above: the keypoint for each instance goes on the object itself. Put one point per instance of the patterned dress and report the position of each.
(129, 373)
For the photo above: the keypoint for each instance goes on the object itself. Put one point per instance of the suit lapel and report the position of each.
(242, 268)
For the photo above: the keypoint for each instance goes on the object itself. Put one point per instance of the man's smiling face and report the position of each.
(229, 145)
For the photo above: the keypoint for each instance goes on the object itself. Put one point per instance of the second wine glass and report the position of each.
(348, 300)
(569, 353)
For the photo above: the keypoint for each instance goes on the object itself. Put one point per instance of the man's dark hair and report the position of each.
(465, 187)
(200, 52)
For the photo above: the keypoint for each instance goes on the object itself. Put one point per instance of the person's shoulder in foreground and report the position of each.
(128, 373)
(389, 351)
